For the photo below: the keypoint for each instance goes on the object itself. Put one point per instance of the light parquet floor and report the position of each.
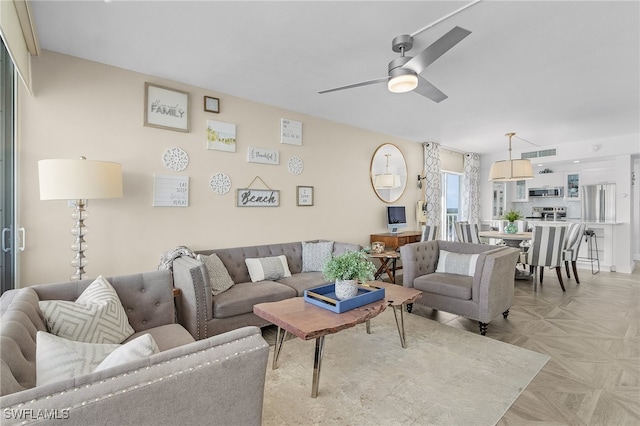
(592, 334)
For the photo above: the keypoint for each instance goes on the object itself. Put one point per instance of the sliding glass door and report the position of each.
(451, 202)
(7, 172)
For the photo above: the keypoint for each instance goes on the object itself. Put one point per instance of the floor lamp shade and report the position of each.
(79, 179)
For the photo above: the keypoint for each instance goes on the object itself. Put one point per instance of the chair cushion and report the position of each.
(59, 359)
(97, 316)
(457, 263)
(450, 285)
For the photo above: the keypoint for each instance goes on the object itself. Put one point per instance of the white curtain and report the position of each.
(433, 188)
(471, 188)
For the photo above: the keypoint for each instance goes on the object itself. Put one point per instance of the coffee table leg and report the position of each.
(368, 323)
(400, 325)
(317, 364)
(281, 336)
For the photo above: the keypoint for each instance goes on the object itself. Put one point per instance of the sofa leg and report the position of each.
(483, 327)
(505, 314)
(409, 307)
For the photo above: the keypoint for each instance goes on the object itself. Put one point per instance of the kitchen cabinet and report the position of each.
(520, 191)
(542, 180)
(572, 186)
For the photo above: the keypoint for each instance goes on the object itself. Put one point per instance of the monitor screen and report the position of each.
(396, 218)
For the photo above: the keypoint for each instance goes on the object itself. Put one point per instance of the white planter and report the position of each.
(346, 289)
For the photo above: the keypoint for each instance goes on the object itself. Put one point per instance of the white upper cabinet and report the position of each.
(572, 186)
(542, 180)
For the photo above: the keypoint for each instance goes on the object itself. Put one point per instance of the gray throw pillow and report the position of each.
(219, 277)
(316, 255)
(457, 263)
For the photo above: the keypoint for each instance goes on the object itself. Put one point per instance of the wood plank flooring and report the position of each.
(592, 334)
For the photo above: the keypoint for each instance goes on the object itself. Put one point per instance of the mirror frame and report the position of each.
(377, 158)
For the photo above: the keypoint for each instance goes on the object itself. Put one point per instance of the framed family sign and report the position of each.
(166, 108)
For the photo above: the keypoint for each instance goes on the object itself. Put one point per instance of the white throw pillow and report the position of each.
(58, 358)
(268, 268)
(316, 255)
(219, 277)
(97, 316)
(457, 263)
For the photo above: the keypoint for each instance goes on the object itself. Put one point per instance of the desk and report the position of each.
(394, 241)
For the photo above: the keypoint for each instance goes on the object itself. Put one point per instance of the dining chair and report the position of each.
(570, 252)
(430, 232)
(547, 247)
(467, 232)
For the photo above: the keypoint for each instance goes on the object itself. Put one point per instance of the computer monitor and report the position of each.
(396, 218)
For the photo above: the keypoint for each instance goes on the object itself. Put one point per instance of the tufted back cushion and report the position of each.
(21, 320)
(147, 298)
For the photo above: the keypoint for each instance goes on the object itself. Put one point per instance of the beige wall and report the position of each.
(85, 108)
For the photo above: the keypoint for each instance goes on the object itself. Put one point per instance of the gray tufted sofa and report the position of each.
(483, 296)
(206, 315)
(179, 385)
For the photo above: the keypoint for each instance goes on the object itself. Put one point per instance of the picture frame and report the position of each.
(166, 108)
(212, 104)
(304, 195)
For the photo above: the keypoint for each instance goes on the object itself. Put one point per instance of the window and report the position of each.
(451, 202)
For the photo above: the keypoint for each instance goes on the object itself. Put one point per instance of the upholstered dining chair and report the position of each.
(572, 246)
(547, 247)
(430, 232)
(467, 232)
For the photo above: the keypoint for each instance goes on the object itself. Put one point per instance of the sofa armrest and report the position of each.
(179, 386)
(418, 259)
(195, 303)
(496, 286)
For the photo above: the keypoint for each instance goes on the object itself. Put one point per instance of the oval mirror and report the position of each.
(388, 173)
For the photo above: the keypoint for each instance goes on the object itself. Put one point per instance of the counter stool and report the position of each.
(591, 238)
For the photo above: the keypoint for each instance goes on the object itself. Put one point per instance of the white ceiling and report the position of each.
(553, 72)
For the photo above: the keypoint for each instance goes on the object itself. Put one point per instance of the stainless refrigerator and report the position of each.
(599, 203)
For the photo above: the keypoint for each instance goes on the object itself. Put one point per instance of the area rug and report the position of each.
(445, 376)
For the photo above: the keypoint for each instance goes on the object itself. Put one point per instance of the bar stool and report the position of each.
(591, 239)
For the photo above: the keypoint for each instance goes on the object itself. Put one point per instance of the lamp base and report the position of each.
(79, 214)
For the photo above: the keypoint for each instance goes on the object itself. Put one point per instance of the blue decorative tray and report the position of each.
(325, 297)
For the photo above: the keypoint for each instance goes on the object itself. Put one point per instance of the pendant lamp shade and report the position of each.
(511, 170)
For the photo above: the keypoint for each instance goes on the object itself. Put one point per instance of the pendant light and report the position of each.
(510, 170)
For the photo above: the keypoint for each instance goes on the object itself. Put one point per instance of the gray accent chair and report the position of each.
(219, 380)
(481, 297)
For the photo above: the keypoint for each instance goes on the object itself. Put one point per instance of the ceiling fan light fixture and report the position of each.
(403, 83)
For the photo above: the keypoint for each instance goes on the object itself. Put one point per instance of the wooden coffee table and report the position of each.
(397, 297)
(308, 321)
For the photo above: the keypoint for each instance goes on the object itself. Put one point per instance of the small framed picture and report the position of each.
(211, 104)
(305, 195)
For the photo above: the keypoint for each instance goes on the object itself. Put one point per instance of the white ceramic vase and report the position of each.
(346, 289)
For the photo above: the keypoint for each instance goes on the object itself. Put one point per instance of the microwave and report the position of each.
(546, 192)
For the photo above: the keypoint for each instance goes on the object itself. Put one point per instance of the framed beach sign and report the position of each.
(166, 108)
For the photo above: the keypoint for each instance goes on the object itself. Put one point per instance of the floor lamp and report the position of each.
(78, 181)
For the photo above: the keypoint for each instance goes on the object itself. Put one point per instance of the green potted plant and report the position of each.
(346, 270)
(511, 216)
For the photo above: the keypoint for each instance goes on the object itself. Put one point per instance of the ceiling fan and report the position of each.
(404, 71)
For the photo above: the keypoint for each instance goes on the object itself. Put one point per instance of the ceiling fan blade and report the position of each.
(429, 90)
(437, 49)
(363, 83)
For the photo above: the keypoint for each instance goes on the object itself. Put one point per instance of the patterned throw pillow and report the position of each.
(268, 268)
(316, 255)
(58, 358)
(97, 316)
(219, 277)
(457, 263)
